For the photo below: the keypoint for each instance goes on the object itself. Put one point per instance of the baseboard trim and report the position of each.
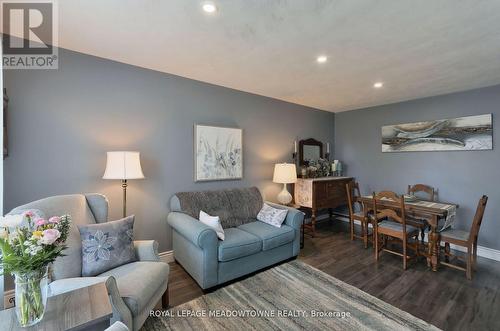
(486, 252)
(9, 296)
(167, 256)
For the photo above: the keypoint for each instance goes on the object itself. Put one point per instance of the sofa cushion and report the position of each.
(138, 282)
(238, 243)
(271, 236)
(233, 206)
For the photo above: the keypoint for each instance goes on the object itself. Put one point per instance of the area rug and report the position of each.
(291, 296)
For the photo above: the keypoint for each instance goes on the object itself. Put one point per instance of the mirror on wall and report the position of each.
(310, 149)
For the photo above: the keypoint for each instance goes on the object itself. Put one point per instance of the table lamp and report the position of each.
(123, 166)
(284, 173)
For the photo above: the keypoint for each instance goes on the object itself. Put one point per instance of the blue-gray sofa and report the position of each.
(249, 244)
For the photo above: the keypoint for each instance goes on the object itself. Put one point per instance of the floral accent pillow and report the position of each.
(272, 216)
(107, 245)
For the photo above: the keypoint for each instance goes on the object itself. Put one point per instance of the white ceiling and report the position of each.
(268, 47)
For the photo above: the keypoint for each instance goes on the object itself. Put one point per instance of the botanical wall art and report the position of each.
(457, 134)
(218, 153)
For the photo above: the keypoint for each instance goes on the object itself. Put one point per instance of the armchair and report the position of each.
(134, 289)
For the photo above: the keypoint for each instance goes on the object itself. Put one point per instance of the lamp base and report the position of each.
(284, 197)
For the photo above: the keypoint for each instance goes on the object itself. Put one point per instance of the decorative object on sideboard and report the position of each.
(218, 153)
(310, 150)
(5, 135)
(327, 154)
(318, 168)
(457, 134)
(285, 173)
(294, 154)
(123, 165)
(337, 168)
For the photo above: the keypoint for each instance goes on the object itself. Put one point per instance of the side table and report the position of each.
(87, 308)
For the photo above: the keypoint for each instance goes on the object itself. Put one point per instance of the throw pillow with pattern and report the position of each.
(107, 245)
(272, 216)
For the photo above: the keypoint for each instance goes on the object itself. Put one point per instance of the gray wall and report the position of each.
(62, 122)
(460, 176)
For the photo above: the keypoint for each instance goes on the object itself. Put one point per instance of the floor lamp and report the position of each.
(123, 166)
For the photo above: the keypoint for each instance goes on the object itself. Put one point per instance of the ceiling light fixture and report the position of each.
(209, 7)
(378, 85)
(321, 59)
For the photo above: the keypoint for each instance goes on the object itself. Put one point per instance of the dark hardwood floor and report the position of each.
(444, 298)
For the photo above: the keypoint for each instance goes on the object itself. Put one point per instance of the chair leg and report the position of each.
(474, 257)
(405, 262)
(365, 233)
(416, 246)
(447, 252)
(422, 233)
(351, 223)
(165, 299)
(375, 237)
(469, 263)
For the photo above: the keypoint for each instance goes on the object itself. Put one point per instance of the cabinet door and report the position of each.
(337, 193)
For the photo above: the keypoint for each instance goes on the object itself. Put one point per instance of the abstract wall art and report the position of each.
(218, 153)
(457, 134)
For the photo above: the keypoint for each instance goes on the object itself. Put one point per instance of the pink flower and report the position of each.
(49, 236)
(40, 222)
(29, 214)
(54, 219)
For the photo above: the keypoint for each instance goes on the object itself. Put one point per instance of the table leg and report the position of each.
(313, 222)
(434, 242)
(302, 236)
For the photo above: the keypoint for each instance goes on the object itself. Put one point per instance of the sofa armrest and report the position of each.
(294, 217)
(193, 230)
(146, 250)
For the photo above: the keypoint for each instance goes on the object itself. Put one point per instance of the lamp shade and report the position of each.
(123, 165)
(285, 173)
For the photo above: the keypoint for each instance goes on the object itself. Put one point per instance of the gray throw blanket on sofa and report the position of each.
(234, 206)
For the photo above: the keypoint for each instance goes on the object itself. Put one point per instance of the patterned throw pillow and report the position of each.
(272, 216)
(107, 245)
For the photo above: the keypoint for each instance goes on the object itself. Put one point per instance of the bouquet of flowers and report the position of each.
(28, 245)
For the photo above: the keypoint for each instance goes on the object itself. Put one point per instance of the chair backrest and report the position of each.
(417, 188)
(392, 213)
(478, 218)
(83, 209)
(353, 194)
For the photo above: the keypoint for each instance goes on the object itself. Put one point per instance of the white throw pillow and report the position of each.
(213, 222)
(272, 216)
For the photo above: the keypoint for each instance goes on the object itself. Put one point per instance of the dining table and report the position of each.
(439, 215)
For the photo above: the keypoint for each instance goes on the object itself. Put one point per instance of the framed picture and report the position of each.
(456, 134)
(218, 153)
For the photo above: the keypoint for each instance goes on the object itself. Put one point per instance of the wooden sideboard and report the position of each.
(320, 193)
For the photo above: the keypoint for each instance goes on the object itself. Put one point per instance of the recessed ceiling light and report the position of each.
(378, 85)
(209, 7)
(321, 59)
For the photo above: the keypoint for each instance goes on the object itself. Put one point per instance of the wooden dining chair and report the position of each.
(388, 223)
(467, 239)
(422, 188)
(356, 212)
(415, 219)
